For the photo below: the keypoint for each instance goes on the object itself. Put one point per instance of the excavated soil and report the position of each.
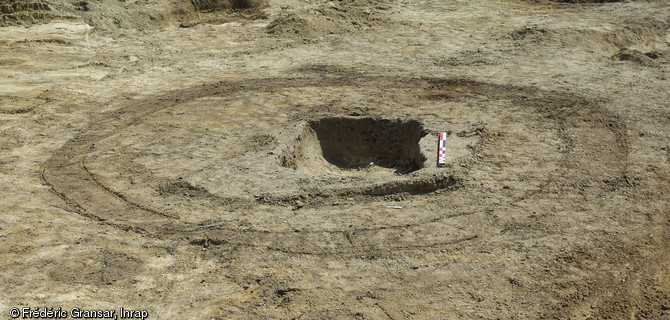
(357, 144)
(278, 160)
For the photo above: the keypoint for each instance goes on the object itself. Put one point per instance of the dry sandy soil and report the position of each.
(252, 160)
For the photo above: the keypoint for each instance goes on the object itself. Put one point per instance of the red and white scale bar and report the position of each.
(442, 150)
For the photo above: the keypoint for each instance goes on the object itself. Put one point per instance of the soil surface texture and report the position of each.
(252, 159)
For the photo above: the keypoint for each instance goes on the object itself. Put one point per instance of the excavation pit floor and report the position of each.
(357, 145)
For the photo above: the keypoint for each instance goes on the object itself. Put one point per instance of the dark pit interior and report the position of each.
(352, 143)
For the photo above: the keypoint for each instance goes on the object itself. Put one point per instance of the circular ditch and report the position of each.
(232, 200)
(355, 145)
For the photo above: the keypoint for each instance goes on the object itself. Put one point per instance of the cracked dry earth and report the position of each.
(279, 162)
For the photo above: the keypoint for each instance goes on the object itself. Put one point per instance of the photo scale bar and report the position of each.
(442, 150)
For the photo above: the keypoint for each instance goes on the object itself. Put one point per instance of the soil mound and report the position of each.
(329, 19)
(117, 14)
(650, 34)
(19, 12)
(214, 5)
(644, 59)
(104, 14)
(307, 25)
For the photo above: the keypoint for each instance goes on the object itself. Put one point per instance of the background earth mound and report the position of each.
(120, 14)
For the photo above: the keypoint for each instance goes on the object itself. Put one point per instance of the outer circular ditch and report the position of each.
(94, 194)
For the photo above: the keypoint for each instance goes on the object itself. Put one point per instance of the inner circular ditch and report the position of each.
(357, 144)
